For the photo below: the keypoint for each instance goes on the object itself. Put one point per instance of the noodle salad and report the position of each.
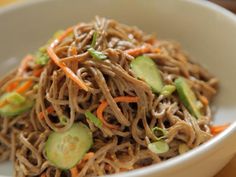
(102, 98)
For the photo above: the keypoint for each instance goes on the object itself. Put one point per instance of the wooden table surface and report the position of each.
(230, 169)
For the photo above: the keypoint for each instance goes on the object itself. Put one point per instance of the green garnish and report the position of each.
(158, 147)
(146, 69)
(93, 119)
(167, 90)
(41, 56)
(65, 149)
(187, 96)
(63, 119)
(96, 54)
(35, 87)
(54, 36)
(15, 98)
(14, 104)
(94, 40)
(160, 133)
(183, 148)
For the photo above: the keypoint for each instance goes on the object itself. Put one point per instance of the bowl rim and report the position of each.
(195, 154)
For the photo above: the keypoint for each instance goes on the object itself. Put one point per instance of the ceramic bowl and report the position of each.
(205, 30)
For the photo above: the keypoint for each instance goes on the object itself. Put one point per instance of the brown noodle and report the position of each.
(22, 139)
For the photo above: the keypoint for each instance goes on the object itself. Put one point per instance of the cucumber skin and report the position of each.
(9, 111)
(182, 87)
(48, 150)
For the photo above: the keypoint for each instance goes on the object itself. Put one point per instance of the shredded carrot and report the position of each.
(25, 86)
(12, 86)
(74, 172)
(24, 64)
(157, 50)
(151, 41)
(86, 157)
(218, 129)
(104, 104)
(49, 110)
(204, 100)
(74, 50)
(69, 73)
(43, 175)
(139, 50)
(37, 72)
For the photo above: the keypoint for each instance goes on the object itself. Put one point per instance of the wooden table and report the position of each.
(230, 169)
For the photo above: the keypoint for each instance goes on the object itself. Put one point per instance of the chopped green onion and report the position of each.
(35, 87)
(183, 148)
(54, 36)
(167, 90)
(93, 119)
(63, 119)
(158, 147)
(94, 40)
(57, 34)
(199, 105)
(97, 54)
(42, 57)
(160, 133)
(15, 98)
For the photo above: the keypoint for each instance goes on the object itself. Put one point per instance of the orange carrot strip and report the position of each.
(204, 100)
(218, 129)
(49, 110)
(37, 72)
(139, 50)
(12, 86)
(86, 157)
(69, 73)
(24, 87)
(104, 104)
(157, 50)
(24, 64)
(74, 172)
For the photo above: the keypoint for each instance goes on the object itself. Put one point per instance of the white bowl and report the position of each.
(205, 30)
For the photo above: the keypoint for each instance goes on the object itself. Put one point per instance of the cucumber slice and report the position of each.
(66, 149)
(146, 69)
(11, 110)
(187, 96)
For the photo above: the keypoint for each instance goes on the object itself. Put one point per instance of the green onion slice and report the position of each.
(97, 54)
(167, 90)
(160, 133)
(63, 119)
(158, 147)
(94, 40)
(97, 122)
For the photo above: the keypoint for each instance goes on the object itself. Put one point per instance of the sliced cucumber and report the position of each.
(187, 96)
(11, 110)
(15, 98)
(146, 69)
(66, 149)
